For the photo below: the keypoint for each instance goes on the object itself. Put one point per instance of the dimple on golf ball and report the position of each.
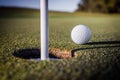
(81, 34)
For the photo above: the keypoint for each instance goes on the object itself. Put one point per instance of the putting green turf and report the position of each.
(99, 59)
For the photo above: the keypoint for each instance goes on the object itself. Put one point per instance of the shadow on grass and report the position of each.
(111, 69)
(103, 42)
(97, 43)
(32, 53)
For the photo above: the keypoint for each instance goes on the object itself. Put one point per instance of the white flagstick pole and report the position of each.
(44, 29)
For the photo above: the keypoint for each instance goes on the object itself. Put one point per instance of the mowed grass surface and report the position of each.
(99, 59)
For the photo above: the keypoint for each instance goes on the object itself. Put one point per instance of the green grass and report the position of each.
(97, 60)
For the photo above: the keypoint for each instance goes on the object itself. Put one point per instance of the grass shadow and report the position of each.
(103, 42)
(109, 71)
(33, 53)
(97, 43)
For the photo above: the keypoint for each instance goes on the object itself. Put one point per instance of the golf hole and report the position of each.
(34, 53)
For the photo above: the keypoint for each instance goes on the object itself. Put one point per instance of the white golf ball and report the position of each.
(81, 34)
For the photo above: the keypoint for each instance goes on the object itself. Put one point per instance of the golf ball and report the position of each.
(81, 34)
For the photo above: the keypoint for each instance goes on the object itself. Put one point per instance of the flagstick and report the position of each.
(44, 29)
